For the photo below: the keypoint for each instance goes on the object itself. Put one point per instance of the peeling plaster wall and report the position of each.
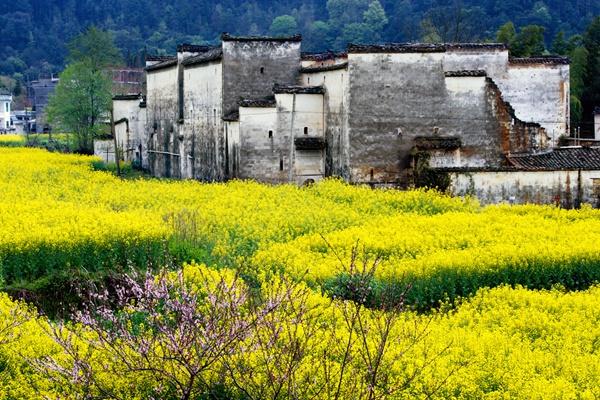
(539, 187)
(162, 128)
(132, 142)
(251, 68)
(295, 113)
(204, 140)
(260, 156)
(336, 118)
(397, 97)
(597, 126)
(539, 93)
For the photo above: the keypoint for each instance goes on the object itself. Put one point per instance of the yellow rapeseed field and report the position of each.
(484, 332)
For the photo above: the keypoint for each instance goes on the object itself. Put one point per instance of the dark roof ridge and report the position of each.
(137, 96)
(215, 54)
(162, 65)
(226, 37)
(547, 59)
(266, 102)
(295, 89)
(324, 68)
(473, 45)
(322, 56)
(396, 48)
(464, 73)
(152, 57)
(193, 48)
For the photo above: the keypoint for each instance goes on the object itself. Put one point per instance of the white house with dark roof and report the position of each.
(465, 117)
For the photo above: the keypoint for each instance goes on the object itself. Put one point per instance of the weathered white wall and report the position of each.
(597, 126)
(295, 113)
(203, 144)
(105, 149)
(336, 117)
(260, 155)
(540, 187)
(131, 142)
(539, 93)
(162, 128)
(232, 139)
(5, 107)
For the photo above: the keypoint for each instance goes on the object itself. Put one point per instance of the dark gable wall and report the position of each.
(242, 63)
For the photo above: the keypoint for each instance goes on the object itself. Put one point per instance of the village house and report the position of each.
(466, 117)
(5, 107)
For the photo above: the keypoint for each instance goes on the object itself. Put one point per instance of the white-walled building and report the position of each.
(466, 116)
(5, 110)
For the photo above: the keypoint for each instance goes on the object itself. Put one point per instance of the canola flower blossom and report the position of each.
(491, 337)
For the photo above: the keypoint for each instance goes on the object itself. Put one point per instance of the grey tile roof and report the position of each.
(552, 60)
(562, 158)
(212, 54)
(162, 65)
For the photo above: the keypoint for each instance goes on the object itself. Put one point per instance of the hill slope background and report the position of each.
(33, 33)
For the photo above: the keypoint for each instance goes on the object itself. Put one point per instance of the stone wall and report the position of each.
(565, 188)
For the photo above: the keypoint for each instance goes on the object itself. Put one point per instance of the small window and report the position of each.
(372, 174)
(306, 130)
(281, 163)
(262, 70)
(309, 80)
(270, 134)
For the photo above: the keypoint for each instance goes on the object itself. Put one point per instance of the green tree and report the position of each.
(284, 25)
(319, 36)
(506, 33)
(591, 94)
(375, 17)
(94, 47)
(528, 42)
(578, 73)
(82, 100)
(559, 45)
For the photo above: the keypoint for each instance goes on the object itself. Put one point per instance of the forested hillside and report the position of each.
(33, 33)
